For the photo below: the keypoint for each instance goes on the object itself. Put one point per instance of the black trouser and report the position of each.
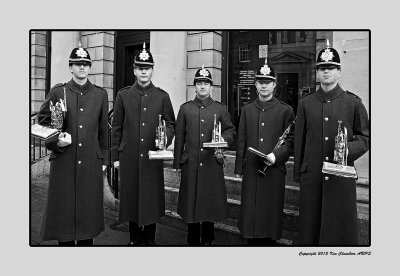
(205, 231)
(139, 234)
(261, 242)
(87, 242)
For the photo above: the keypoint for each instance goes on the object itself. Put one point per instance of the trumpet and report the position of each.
(339, 165)
(161, 143)
(161, 137)
(218, 152)
(341, 151)
(217, 141)
(216, 134)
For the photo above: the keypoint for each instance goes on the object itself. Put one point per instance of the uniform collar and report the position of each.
(203, 102)
(77, 88)
(330, 95)
(142, 90)
(266, 105)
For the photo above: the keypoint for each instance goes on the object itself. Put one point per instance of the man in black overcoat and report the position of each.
(262, 123)
(202, 194)
(74, 211)
(328, 207)
(136, 117)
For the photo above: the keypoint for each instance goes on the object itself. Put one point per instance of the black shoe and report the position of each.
(150, 243)
(131, 243)
(206, 243)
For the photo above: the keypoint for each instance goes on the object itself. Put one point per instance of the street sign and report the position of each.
(263, 51)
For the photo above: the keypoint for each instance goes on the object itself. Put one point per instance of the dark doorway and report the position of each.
(128, 44)
(286, 91)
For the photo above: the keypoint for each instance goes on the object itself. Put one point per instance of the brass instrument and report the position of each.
(161, 134)
(161, 143)
(58, 114)
(339, 166)
(217, 141)
(340, 152)
(266, 160)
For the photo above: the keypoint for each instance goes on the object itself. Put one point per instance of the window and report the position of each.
(303, 36)
(273, 37)
(288, 37)
(244, 52)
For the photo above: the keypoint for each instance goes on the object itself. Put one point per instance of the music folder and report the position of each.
(260, 154)
(43, 132)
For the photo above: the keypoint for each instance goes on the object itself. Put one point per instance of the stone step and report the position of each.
(290, 215)
(290, 219)
(292, 190)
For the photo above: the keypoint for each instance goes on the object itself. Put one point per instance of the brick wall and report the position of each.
(101, 49)
(38, 69)
(204, 48)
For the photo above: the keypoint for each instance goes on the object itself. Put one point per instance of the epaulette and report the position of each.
(282, 102)
(99, 87)
(126, 87)
(161, 89)
(187, 102)
(249, 102)
(353, 94)
(308, 94)
(58, 85)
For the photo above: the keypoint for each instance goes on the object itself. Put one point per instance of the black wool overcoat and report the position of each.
(74, 209)
(262, 197)
(328, 210)
(202, 193)
(134, 126)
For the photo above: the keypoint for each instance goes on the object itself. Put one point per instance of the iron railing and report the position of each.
(38, 150)
(37, 147)
(112, 173)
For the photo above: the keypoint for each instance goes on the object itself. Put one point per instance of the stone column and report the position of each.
(353, 48)
(38, 69)
(101, 49)
(169, 53)
(204, 48)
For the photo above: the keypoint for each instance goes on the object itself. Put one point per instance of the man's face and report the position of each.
(203, 89)
(80, 71)
(328, 75)
(143, 74)
(265, 88)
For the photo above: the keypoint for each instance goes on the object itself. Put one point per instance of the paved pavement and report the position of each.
(165, 236)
